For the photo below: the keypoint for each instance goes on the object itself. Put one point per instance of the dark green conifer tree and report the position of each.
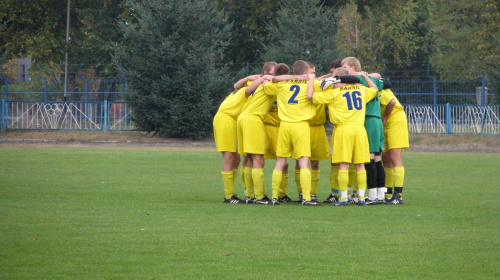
(172, 62)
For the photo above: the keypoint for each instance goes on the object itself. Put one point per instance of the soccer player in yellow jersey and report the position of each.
(396, 140)
(252, 136)
(224, 124)
(320, 149)
(346, 105)
(294, 110)
(375, 131)
(271, 124)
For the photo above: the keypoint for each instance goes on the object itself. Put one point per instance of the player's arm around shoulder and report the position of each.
(253, 86)
(271, 88)
(283, 78)
(372, 89)
(243, 82)
(315, 93)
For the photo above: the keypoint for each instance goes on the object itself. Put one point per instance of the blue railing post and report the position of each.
(434, 91)
(2, 121)
(248, 68)
(6, 88)
(106, 114)
(448, 119)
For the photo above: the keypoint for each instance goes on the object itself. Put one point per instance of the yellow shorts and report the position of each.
(320, 149)
(294, 139)
(351, 144)
(396, 132)
(251, 135)
(225, 133)
(271, 141)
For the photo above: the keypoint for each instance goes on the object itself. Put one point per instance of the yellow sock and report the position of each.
(258, 182)
(389, 181)
(352, 178)
(284, 185)
(343, 180)
(305, 183)
(227, 179)
(249, 182)
(361, 182)
(276, 182)
(297, 181)
(235, 176)
(399, 176)
(334, 177)
(314, 181)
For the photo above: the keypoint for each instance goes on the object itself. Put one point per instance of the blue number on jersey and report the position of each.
(353, 99)
(292, 100)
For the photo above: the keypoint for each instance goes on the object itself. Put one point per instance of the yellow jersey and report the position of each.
(233, 104)
(346, 104)
(386, 95)
(258, 103)
(293, 104)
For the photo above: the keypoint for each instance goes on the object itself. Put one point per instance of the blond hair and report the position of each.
(353, 62)
(268, 67)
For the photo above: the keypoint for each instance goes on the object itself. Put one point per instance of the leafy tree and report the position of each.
(382, 34)
(303, 29)
(171, 66)
(38, 28)
(96, 29)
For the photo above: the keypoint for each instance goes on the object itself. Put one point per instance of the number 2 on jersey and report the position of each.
(292, 100)
(353, 99)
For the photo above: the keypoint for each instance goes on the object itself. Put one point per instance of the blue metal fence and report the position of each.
(432, 106)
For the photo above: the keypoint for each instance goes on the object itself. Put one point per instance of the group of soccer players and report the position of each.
(276, 116)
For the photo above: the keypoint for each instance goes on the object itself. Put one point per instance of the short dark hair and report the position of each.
(281, 69)
(336, 63)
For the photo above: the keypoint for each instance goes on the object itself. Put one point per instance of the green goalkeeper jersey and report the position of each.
(373, 107)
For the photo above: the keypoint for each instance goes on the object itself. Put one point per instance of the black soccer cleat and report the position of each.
(265, 200)
(314, 197)
(331, 199)
(233, 200)
(300, 198)
(395, 199)
(275, 201)
(285, 198)
(311, 203)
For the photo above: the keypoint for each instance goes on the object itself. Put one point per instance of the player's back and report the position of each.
(258, 103)
(348, 103)
(233, 103)
(293, 104)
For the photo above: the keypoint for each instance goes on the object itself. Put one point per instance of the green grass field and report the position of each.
(145, 213)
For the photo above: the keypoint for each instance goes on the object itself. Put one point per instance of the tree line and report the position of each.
(181, 57)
